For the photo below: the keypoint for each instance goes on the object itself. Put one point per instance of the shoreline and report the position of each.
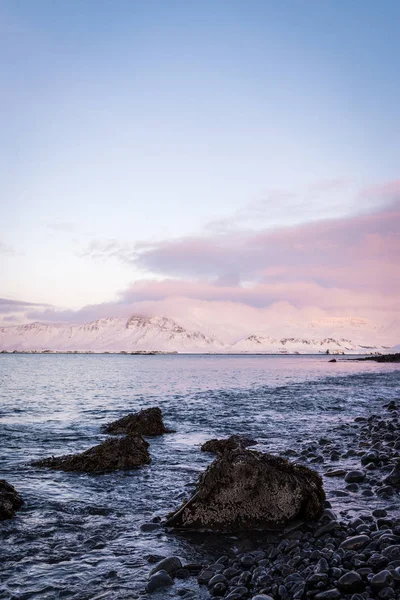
(352, 555)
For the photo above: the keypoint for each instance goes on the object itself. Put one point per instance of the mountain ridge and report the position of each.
(163, 334)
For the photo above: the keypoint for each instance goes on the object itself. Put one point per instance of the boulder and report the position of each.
(127, 452)
(10, 500)
(147, 422)
(243, 489)
(232, 443)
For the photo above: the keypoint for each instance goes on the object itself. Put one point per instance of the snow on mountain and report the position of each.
(109, 335)
(165, 335)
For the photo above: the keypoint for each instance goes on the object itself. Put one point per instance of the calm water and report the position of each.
(78, 536)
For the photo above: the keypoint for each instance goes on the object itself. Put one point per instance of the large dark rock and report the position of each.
(148, 422)
(244, 489)
(127, 452)
(10, 500)
(232, 443)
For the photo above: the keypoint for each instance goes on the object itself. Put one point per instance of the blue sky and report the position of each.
(126, 122)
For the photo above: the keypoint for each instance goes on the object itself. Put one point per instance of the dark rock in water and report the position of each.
(355, 477)
(170, 565)
(232, 443)
(147, 422)
(332, 360)
(128, 452)
(244, 489)
(159, 580)
(10, 500)
(394, 477)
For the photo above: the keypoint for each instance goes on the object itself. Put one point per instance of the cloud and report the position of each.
(7, 305)
(339, 267)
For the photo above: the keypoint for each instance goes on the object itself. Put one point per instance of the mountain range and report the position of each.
(162, 334)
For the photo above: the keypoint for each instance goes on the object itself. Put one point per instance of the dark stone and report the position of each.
(128, 452)
(232, 443)
(355, 543)
(147, 422)
(145, 527)
(170, 565)
(381, 580)
(159, 580)
(351, 582)
(333, 594)
(10, 500)
(243, 489)
(391, 552)
(355, 477)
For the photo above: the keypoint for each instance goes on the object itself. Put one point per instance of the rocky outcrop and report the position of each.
(386, 358)
(243, 489)
(113, 454)
(232, 443)
(10, 500)
(147, 422)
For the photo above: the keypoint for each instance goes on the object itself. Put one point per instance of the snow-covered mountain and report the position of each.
(338, 336)
(109, 335)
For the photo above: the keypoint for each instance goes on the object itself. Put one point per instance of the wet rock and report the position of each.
(333, 594)
(170, 565)
(128, 452)
(355, 543)
(243, 489)
(10, 500)
(159, 580)
(394, 477)
(147, 527)
(232, 443)
(147, 422)
(335, 473)
(381, 580)
(351, 582)
(355, 477)
(391, 552)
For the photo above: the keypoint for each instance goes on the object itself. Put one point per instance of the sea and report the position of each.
(79, 536)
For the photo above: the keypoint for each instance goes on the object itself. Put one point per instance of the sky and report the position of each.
(213, 160)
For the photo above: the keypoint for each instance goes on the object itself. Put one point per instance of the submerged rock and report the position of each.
(148, 422)
(128, 452)
(10, 500)
(231, 443)
(243, 489)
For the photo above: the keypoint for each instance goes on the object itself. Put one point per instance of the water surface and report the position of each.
(78, 536)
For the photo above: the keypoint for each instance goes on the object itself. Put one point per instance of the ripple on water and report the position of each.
(78, 536)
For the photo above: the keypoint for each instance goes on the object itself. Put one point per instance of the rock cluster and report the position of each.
(389, 358)
(10, 500)
(232, 443)
(328, 560)
(147, 422)
(128, 452)
(243, 489)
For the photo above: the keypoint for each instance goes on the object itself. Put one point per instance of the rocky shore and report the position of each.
(354, 555)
